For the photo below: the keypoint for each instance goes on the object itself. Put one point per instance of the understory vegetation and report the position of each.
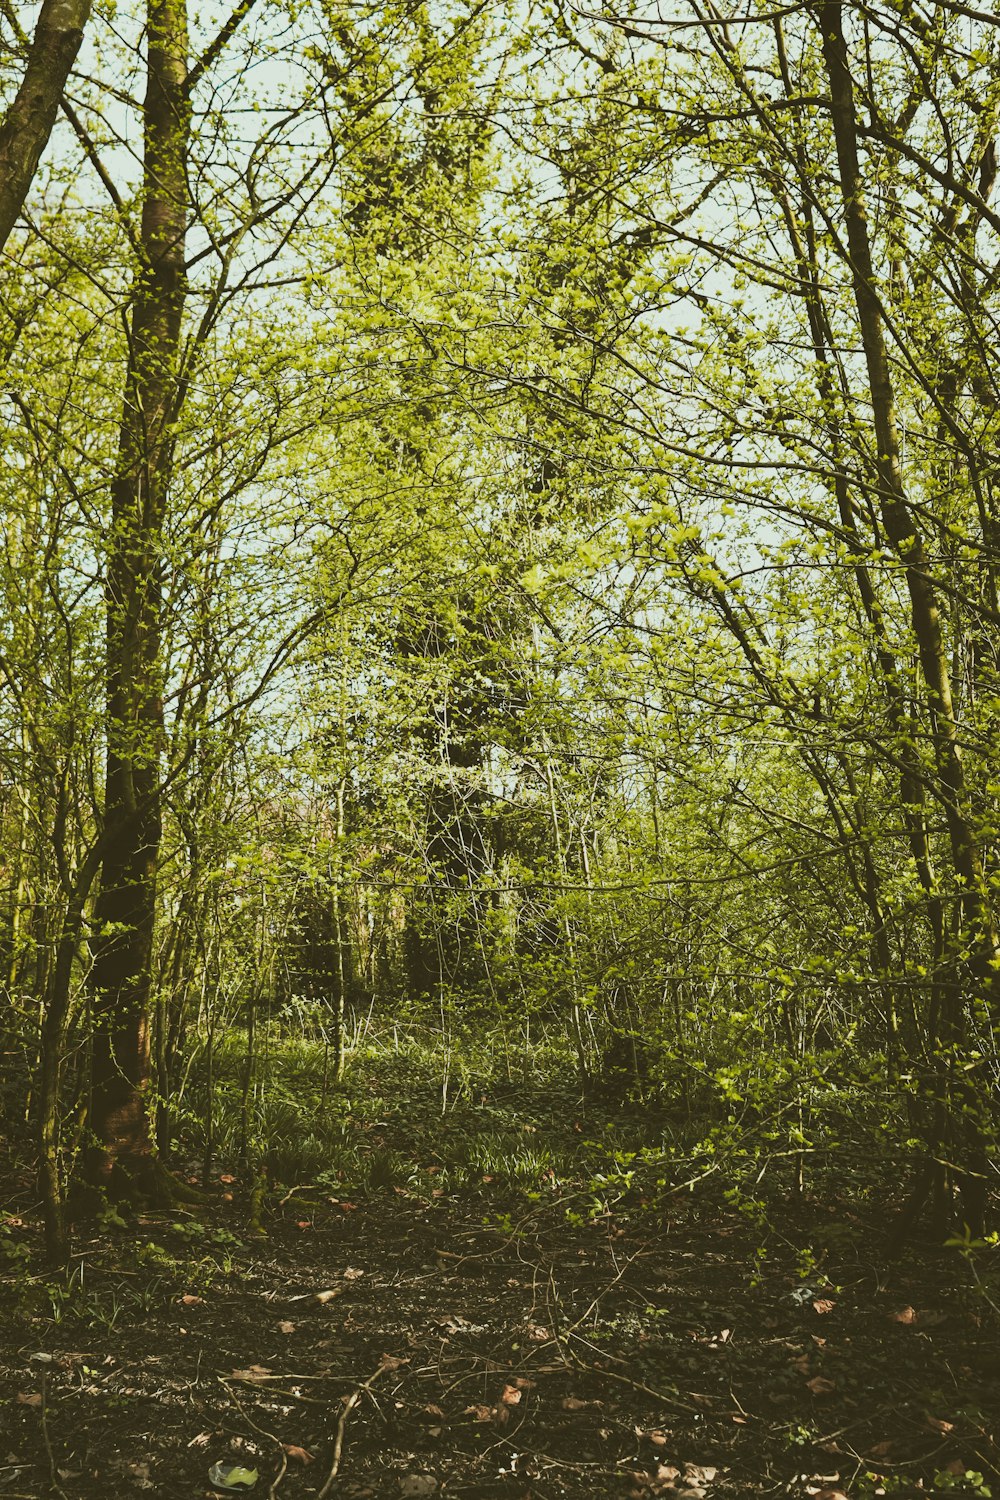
(499, 708)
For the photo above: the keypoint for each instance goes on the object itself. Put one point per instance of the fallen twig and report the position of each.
(279, 1476)
(48, 1445)
(350, 1402)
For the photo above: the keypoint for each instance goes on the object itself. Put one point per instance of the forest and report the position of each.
(499, 782)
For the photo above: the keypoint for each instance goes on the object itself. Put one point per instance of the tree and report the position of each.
(28, 121)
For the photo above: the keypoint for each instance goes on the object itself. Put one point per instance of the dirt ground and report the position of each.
(414, 1347)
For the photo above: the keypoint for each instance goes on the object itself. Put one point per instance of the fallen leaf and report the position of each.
(190, 1300)
(286, 1327)
(26, 1399)
(939, 1426)
(296, 1454)
(881, 1450)
(351, 1273)
(574, 1403)
(481, 1413)
(511, 1395)
(820, 1386)
(232, 1477)
(393, 1362)
(303, 1223)
(328, 1296)
(906, 1315)
(824, 1305)
(253, 1375)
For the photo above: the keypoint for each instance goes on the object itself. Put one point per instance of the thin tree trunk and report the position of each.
(965, 1100)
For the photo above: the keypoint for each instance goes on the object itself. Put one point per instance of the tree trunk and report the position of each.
(125, 910)
(28, 122)
(962, 1096)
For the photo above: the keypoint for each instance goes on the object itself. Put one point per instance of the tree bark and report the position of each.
(28, 122)
(961, 1092)
(125, 909)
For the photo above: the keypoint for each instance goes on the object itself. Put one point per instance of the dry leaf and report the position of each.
(351, 1273)
(296, 1454)
(328, 1296)
(906, 1315)
(25, 1399)
(253, 1375)
(393, 1362)
(573, 1403)
(939, 1426)
(481, 1413)
(511, 1395)
(820, 1386)
(824, 1305)
(881, 1450)
(286, 1327)
(190, 1300)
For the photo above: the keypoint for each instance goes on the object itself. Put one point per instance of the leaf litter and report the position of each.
(559, 1362)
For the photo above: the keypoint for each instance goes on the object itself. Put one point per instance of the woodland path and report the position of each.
(531, 1357)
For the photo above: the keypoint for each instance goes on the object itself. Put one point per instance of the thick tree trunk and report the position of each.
(28, 122)
(125, 909)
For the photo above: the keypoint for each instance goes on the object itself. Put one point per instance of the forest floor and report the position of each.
(413, 1345)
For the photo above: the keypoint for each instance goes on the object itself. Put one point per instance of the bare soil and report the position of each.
(415, 1346)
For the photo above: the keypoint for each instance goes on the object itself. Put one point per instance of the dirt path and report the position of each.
(406, 1348)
